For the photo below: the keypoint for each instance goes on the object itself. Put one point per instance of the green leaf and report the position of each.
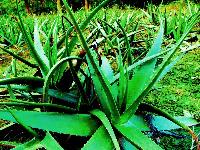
(73, 124)
(101, 116)
(19, 58)
(33, 81)
(143, 74)
(100, 140)
(126, 145)
(49, 143)
(38, 46)
(51, 73)
(101, 84)
(161, 123)
(136, 137)
(36, 55)
(131, 110)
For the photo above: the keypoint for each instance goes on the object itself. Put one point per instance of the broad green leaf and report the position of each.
(50, 74)
(126, 145)
(170, 66)
(36, 55)
(73, 124)
(49, 143)
(107, 69)
(38, 46)
(106, 123)
(100, 140)
(123, 80)
(161, 123)
(143, 74)
(108, 101)
(137, 138)
(132, 109)
(108, 72)
(103, 90)
(64, 96)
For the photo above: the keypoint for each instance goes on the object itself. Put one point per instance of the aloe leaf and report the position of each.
(140, 62)
(108, 72)
(84, 24)
(123, 86)
(9, 144)
(73, 124)
(21, 103)
(51, 73)
(137, 138)
(101, 116)
(30, 145)
(34, 52)
(19, 58)
(38, 45)
(131, 110)
(170, 66)
(128, 48)
(107, 101)
(68, 97)
(161, 123)
(143, 74)
(49, 143)
(19, 120)
(126, 145)
(33, 81)
(100, 140)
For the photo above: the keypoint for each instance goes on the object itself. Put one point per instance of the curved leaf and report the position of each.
(100, 140)
(50, 75)
(107, 101)
(137, 138)
(99, 114)
(33, 81)
(73, 124)
(143, 74)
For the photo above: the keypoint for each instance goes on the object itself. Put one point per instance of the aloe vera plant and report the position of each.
(103, 105)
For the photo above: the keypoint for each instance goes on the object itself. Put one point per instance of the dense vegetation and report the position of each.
(100, 77)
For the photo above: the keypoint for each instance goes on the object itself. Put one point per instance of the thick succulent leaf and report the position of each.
(73, 124)
(170, 66)
(137, 138)
(103, 89)
(49, 143)
(100, 115)
(100, 82)
(38, 46)
(51, 73)
(126, 145)
(33, 81)
(143, 74)
(161, 123)
(107, 69)
(108, 72)
(19, 58)
(100, 140)
(132, 109)
(30, 145)
(123, 83)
